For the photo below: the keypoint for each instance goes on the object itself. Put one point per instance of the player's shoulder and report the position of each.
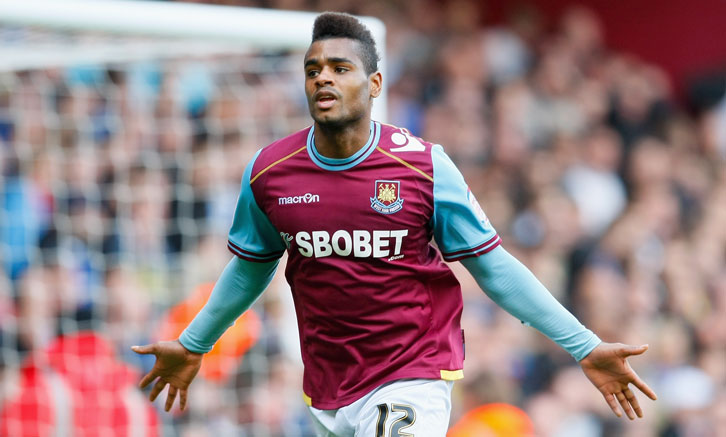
(280, 149)
(400, 140)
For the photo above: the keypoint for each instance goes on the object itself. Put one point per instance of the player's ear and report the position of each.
(375, 83)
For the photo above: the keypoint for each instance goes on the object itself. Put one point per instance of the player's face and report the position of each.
(338, 90)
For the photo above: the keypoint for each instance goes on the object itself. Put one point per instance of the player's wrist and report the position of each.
(189, 353)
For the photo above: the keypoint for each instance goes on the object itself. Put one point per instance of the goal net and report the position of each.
(124, 131)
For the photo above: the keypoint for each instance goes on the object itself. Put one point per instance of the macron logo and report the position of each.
(305, 198)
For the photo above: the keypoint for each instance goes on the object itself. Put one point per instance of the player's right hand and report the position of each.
(608, 369)
(175, 365)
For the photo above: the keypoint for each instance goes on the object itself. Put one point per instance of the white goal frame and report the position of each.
(236, 27)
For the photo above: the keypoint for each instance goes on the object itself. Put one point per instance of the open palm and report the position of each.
(175, 365)
(608, 369)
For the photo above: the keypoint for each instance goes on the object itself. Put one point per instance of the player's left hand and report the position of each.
(608, 369)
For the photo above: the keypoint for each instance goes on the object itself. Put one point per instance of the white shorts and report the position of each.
(403, 408)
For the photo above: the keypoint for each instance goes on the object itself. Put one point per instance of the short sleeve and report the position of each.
(461, 229)
(252, 236)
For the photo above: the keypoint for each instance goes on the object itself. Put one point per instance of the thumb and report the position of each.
(629, 350)
(145, 349)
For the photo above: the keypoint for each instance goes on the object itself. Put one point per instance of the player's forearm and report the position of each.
(513, 287)
(237, 288)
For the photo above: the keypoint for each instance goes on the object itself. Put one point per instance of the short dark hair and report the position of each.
(342, 25)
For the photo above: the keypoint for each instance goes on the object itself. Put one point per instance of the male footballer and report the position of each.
(356, 203)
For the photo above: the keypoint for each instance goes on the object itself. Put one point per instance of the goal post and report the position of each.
(249, 27)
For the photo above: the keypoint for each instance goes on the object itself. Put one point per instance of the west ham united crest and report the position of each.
(387, 198)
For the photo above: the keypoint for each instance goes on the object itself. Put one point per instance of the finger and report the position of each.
(145, 349)
(625, 405)
(610, 399)
(170, 397)
(146, 380)
(633, 401)
(642, 386)
(158, 387)
(182, 399)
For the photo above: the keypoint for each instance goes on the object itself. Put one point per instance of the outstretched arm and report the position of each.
(458, 221)
(177, 362)
(513, 287)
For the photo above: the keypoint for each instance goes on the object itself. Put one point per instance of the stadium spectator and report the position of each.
(75, 386)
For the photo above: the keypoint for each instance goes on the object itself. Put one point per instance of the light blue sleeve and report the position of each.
(513, 287)
(237, 288)
(252, 236)
(461, 229)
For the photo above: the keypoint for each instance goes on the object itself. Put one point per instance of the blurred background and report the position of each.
(593, 134)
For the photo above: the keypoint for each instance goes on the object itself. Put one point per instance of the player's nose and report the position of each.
(325, 77)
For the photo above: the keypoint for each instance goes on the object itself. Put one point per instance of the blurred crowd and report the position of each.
(119, 183)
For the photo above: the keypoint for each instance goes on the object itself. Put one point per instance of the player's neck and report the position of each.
(339, 142)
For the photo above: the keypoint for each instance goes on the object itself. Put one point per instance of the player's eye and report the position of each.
(340, 69)
(312, 73)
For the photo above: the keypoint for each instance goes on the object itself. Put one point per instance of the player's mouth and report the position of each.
(325, 99)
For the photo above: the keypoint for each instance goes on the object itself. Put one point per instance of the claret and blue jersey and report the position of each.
(374, 300)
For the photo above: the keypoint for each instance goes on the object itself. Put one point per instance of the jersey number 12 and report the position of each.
(403, 422)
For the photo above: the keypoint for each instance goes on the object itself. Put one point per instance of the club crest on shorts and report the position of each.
(386, 198)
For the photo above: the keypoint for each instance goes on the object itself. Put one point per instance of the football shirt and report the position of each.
(373, 298)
